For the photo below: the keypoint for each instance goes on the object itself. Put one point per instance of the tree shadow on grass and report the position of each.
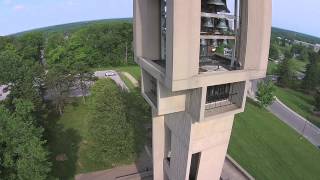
(63, 145)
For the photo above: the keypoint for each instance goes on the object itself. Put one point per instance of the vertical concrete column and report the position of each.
(180, 160)
(211, 162)
(158, 146)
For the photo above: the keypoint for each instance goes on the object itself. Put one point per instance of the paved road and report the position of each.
(291, 118)
(301, 125)
(116, 78)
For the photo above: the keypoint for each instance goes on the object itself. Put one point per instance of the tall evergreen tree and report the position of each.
(311, 79)
(286, 73)
(273, 52)
(317, 101)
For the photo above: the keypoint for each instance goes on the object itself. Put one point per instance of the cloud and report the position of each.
(70, 2)
(7, 2)
(19, 7)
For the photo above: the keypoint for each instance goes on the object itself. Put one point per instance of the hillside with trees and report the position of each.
(40, 68)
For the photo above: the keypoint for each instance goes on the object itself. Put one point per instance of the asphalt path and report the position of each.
(116, 78)
(298, 123)
(291, 118)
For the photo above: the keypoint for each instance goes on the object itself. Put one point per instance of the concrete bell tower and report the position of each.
(197, 57)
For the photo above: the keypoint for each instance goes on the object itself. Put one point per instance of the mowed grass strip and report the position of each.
(269, 149)
(300, 102)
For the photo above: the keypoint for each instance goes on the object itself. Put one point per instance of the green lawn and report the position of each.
(67, 136)
(135, 71)
(299, 102)
(127, 81)
(269, 149)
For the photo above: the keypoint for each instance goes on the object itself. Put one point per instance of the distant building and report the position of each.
(315, 47)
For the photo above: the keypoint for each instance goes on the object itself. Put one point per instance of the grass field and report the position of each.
(127, 81)
(299, 102)
(269, 149)
(67, 137)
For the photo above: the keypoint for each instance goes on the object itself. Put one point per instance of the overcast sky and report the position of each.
(20, 15)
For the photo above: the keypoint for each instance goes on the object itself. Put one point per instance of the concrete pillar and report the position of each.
(180, 160)
(211, 162)
(158, 146)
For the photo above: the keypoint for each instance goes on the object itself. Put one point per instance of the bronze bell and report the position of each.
(203, 42)
(216, 2)
(215, 43)
(203, 47)
(223, 25)
(208, 23)
(222, 8)
(225, 42)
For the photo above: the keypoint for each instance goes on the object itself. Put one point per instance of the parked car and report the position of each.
(110, 74)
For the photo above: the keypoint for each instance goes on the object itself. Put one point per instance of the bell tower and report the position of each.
(197, 57)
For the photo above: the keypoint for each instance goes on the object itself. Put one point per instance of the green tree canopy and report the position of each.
(22, 152)
(273, 52)
(265, 93)
(110, 131)
(286, 72)
(311, 79)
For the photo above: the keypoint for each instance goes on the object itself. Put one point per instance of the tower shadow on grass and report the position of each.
(138, 114)
(63, 145)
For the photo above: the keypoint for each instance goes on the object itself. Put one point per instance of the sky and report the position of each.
(21, 15)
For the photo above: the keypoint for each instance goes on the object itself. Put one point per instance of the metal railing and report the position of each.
(223, 95)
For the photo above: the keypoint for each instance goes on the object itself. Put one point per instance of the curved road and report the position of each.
(291, 118)
(116, 78)
(294, 120)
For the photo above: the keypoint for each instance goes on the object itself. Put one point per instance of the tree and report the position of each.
(30, 45)
(287, 54)
(317, 101)
(311, 79)
(286, 73)
(59, 80)
(110, 132)
(22, 152)
(24, 77)
(273, 52)
(265, 93)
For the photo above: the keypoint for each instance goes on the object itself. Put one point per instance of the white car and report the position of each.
(110, 74)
